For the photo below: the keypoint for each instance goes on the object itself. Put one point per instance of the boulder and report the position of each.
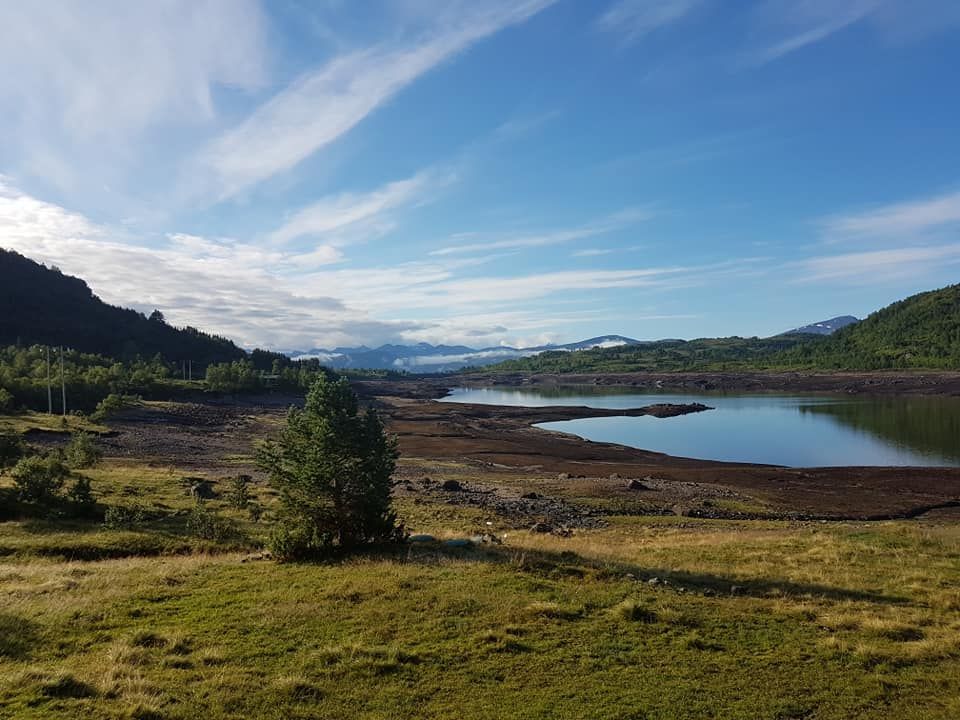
(422, 538)
(541, 527)
(636, 485)
(452, 486)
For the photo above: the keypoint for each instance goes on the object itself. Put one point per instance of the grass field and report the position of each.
(745, 620)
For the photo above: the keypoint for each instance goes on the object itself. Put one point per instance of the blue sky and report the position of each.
(314, 174)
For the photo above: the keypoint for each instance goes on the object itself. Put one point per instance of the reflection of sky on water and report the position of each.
(796, 430)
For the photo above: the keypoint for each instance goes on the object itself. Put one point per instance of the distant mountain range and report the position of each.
(427, 358)
(825, 327)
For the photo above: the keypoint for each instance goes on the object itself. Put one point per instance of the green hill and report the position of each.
(922, 332)
(41, 305)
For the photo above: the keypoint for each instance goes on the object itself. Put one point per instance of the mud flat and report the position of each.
(501, 439)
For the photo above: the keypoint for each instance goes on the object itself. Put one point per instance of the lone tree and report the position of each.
(333, 467)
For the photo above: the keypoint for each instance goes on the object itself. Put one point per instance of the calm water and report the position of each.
(797, 430)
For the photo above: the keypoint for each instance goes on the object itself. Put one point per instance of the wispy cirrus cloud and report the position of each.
(322, 105)
(911, 219)
(872, 267)
(798, 25)
(83, 81)
(633, 19)
(368, 212)
(611, 223)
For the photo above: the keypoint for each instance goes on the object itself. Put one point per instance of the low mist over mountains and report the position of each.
(41, 305)
(427, 358)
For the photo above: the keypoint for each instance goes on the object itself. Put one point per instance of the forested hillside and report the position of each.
(40, 305)
(922, 331)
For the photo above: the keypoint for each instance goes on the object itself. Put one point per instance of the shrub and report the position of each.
(81, 494)
(333, 467)
(12, 448)
(111, 404)
(239, 493)
(82, 452)
(7, 402)
(38, 479)
(288, 542)
(206, 524)
(123, 517)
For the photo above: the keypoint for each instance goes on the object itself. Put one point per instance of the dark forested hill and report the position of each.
(40, 305)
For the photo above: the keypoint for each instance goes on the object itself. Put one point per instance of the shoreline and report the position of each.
(503, 439)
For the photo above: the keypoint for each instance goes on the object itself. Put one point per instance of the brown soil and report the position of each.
(502, 457)
(501, 439)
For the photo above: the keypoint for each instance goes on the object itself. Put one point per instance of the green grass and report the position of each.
(747, 619)
(834, 622)
(24, 422)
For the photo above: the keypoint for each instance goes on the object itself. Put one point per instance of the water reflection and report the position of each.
(797, 430)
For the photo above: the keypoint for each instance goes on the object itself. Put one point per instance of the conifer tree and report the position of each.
(333, 466)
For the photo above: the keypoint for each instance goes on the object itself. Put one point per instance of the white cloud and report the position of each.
(592, 252)
(913, 218)
(810, 22)
(877, 265)
(334, 214)
(322, 105)
(632, 19)
(801, 24)
(82, 81)
(602, 226)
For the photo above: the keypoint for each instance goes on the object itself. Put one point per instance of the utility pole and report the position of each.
(49, 387)
(63, 383)
(190, 362)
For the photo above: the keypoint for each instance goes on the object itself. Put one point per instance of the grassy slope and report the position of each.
(835, 621)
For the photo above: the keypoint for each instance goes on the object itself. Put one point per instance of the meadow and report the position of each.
(646, 617)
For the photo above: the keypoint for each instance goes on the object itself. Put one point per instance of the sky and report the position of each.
(301, 174)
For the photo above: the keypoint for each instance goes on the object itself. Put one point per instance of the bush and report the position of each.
(111, 404)
(239, 493)
(12, 449)
(82, 452)
(7, 402)
(81, 495)
(206, 524)
(123, 517)
(38, 479)
(333, 467)
(288, 542)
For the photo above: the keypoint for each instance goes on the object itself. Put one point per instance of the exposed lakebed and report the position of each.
(780, 429)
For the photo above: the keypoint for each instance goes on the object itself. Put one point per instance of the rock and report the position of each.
(653, 581)
(422, 538)
(452, 486)
(737, 589)
(636, 485)
(531, 496)
(563, 476)
(614, 476)
(630, 576)
(201, 489)
(709, 592)
(542, 527)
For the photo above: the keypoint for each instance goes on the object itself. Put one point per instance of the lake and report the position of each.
(791, 429)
